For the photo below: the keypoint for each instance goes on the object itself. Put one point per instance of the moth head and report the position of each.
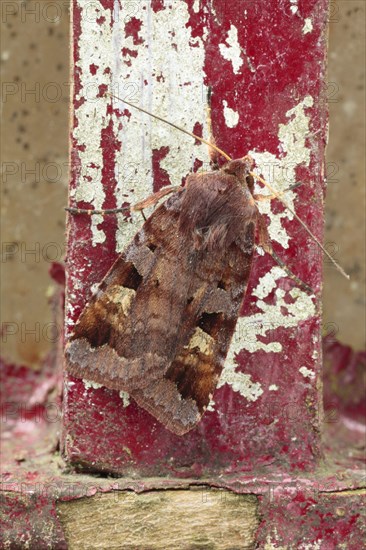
(241, 168)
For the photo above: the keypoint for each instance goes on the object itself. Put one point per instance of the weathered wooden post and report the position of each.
(268, 101)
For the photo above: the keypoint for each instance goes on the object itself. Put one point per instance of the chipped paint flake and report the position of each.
(126, 400)
(308, 26)
(90, 384)
(272, 541)
(294, 8)
(231, 116)
(232, 52)
(307, 373)
(196, 6)
(240, 382)
(268, 282)
(248, 60)
(273, 387)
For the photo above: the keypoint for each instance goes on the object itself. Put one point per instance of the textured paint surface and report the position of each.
(266, 102)
(327, 505)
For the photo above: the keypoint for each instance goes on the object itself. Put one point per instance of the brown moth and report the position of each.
(161, 321)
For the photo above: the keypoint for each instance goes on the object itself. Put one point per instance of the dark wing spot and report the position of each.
(133, 280)
(210, 323)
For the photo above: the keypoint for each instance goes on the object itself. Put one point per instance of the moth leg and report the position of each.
(155, 197)
(143, 215)
(260, 198)
(265, 242)
(138, 207)
(214, 155)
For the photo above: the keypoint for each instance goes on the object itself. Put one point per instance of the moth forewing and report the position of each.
(160, 325)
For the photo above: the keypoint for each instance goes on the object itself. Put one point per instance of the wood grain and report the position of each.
(199, 518)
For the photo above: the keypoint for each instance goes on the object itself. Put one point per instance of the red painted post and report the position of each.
(265, 62)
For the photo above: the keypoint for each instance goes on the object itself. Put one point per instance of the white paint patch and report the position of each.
(312, 545)
(125, 398)
(232, 52)
(268, 282)
(308, 26)
(263, 324)
(273, 387)
(196, 6)
(95, 48)
(272, 541)
(94, 288)
(90, 384)
(294, 7)
(231, 116)
(240, 382)
(307, 373)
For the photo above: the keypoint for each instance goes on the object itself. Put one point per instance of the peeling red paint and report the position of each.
(161, 177)
(93, 69)
(132, 28)
(103, 88)
(157, 5)
(101, 20)
(241, 434)
(197, 130)
(128, 51)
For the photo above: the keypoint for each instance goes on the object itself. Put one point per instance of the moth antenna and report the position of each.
(90, 212)
(288, 271)
(138, 207)
(202, 140)
(307, 229)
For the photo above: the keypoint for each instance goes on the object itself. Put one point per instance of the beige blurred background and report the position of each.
(34, 158)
